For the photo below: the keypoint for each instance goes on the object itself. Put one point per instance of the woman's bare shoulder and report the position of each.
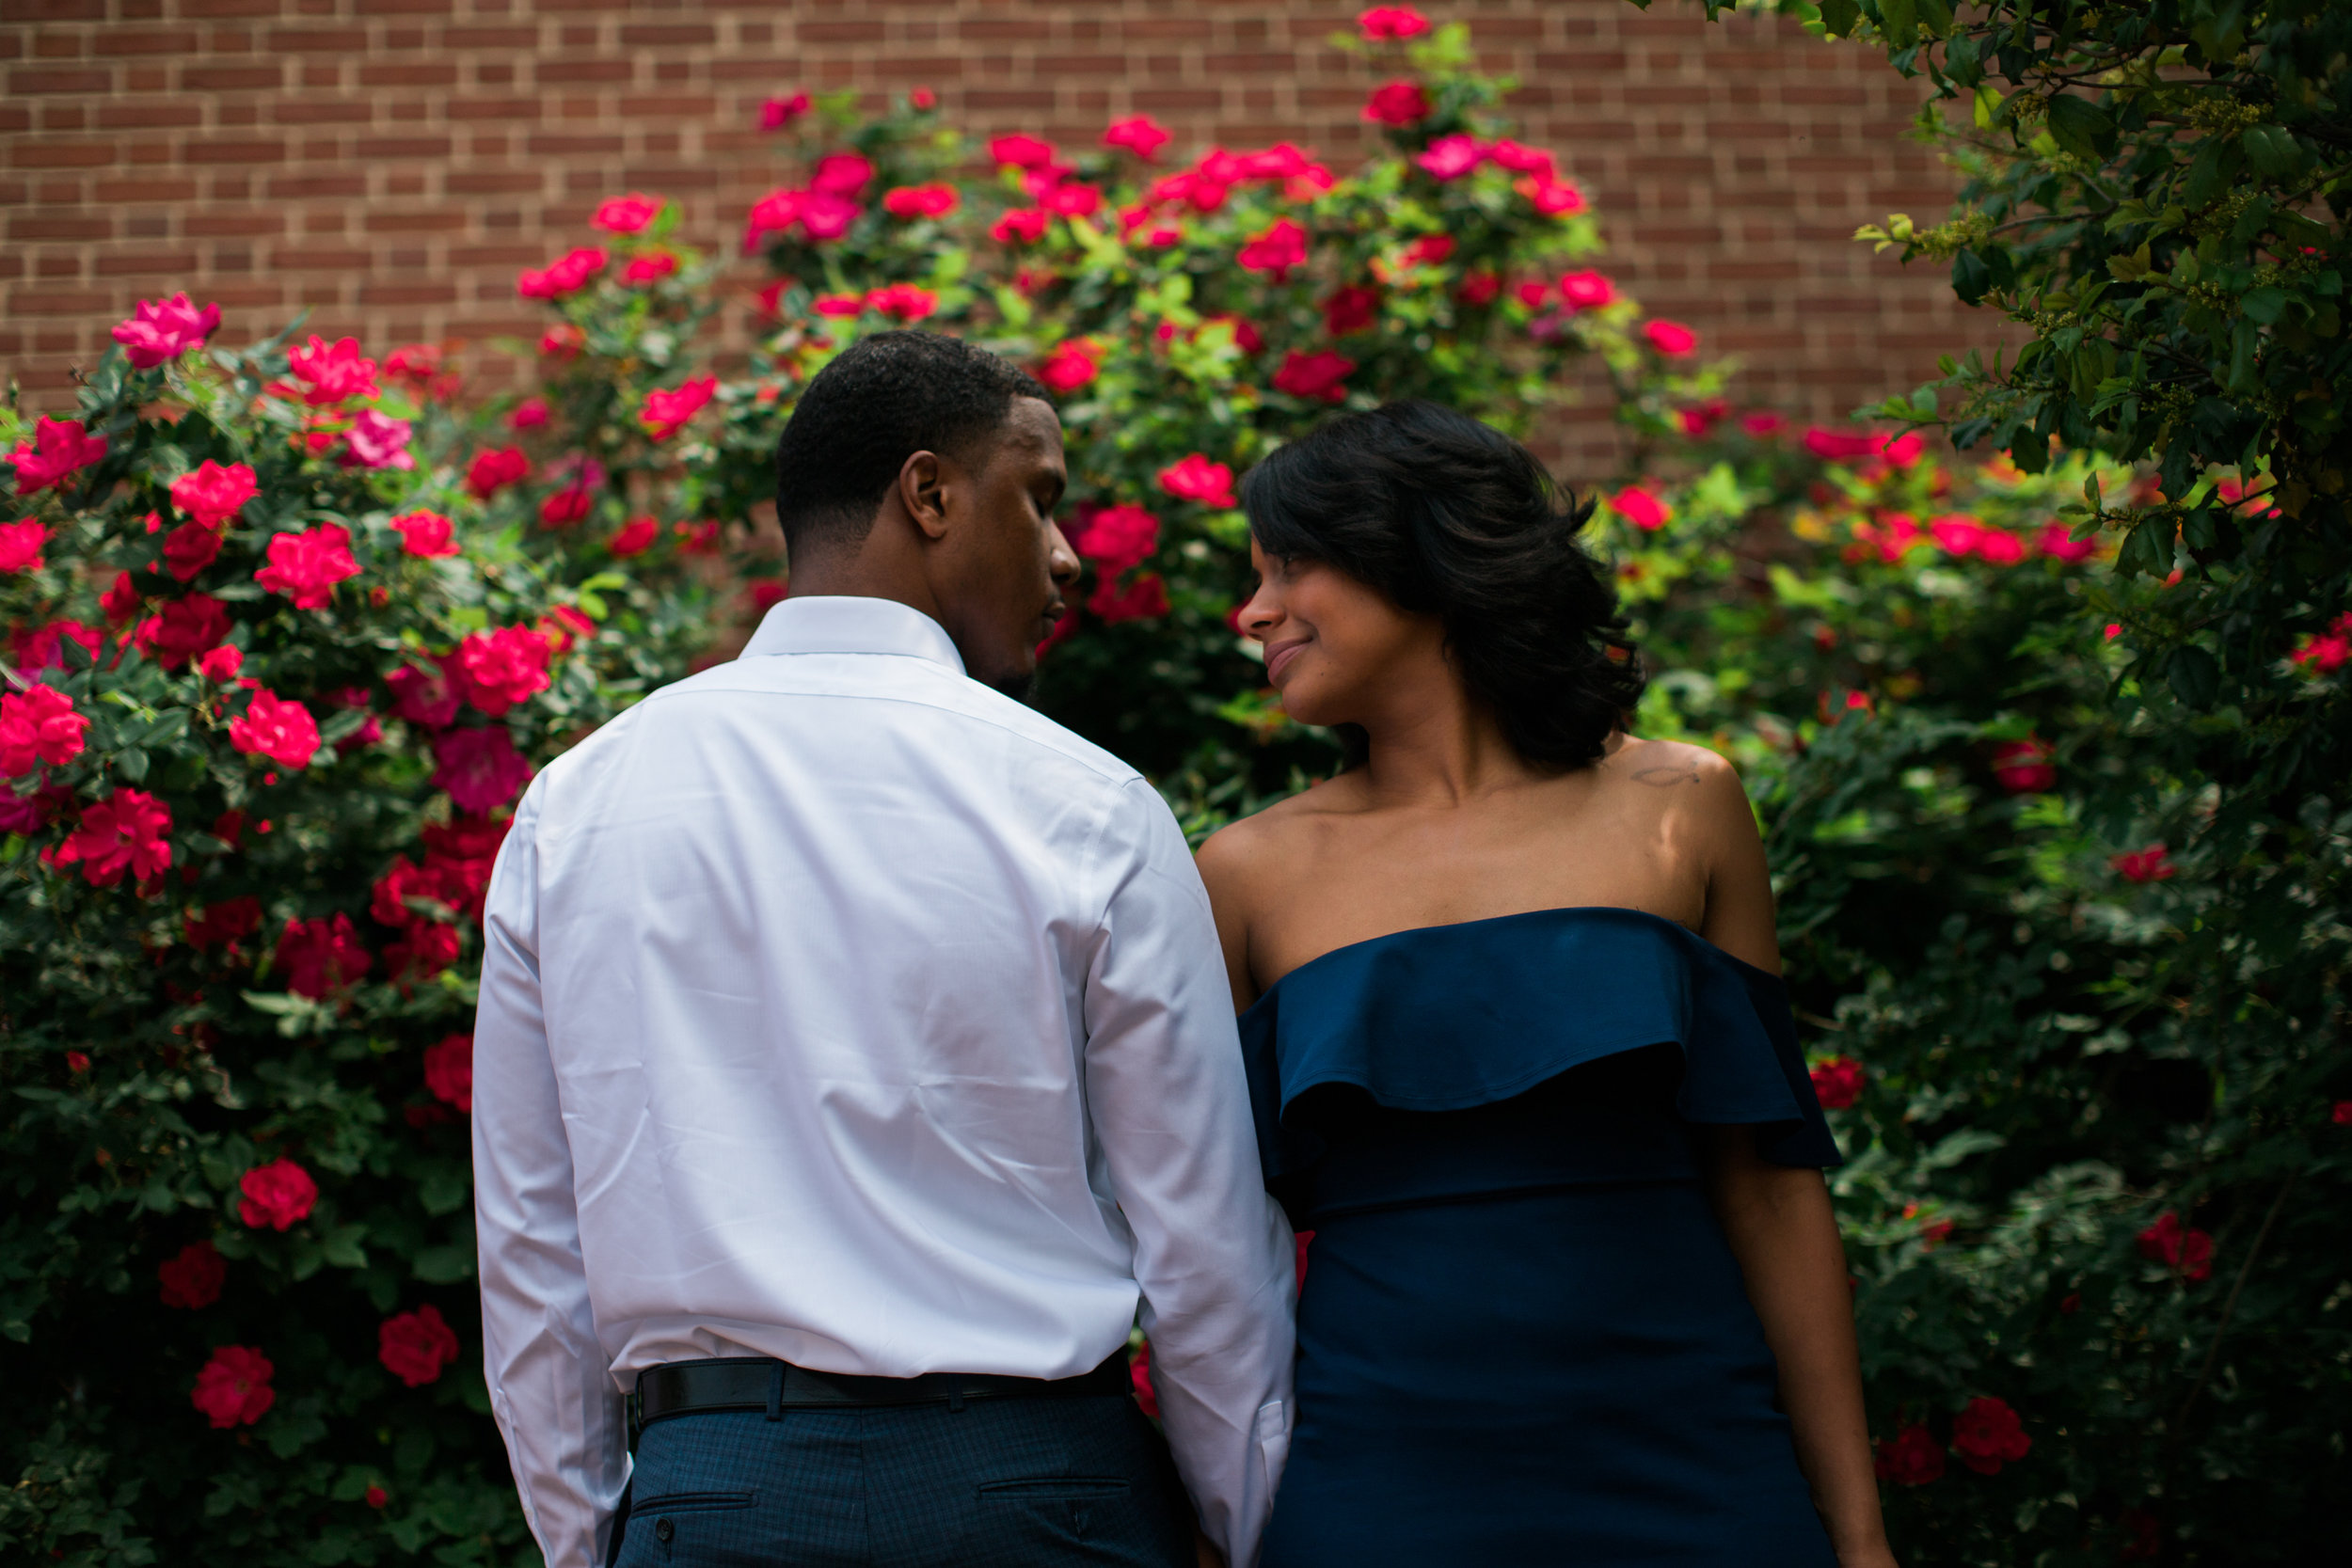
(1262, 842)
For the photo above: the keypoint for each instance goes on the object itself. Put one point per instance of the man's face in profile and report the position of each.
(1001, 582)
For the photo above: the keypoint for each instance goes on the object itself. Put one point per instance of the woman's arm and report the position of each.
(1781, 1229)
(1223, 863)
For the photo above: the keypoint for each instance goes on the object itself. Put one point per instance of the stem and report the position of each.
(2213, 1351)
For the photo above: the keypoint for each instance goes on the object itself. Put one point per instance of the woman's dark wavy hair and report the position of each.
(1448, 517)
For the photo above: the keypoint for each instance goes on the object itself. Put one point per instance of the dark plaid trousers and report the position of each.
(1017, 1483)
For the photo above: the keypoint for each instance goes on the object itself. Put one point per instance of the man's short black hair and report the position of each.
(882, 400)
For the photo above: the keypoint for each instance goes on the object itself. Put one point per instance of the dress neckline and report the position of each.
(1604, 911)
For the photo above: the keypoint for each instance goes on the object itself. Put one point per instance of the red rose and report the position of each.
(1070, 366)
(1019, 152)
(1351, 308)
(1318, 377)
(1116, 538)
(1021, 225)
(427, 948)
(2186, 1252)
(1398, 103)
(1139, 1373)
(1838, 1082)
(20, 543)
(1640, 508)
(1479, 288)
(934, 201)
(634, 537)
(426, 533)
(332, 372)
(272, 728)
(626, 214)
(480, 769)
(2024, 767)
(1383, 22)
(1138, 133)
(1912, 1457)
(666, 411)
(448, 1071)
(321, 955)
(415, 1346)
(901, 302)
(1671, 338)
(59, 449)
(568, 273)
(494, 470)
(1194, 478)
(1144, 600)
(193, 1278)
(276, 1195)
(777, 113)
(156, 332)
(188, 549)
(224, 922)
(305, 566)
(503, 667)
(124, 832)
(234, 1388)
(184, 628)
(1988, 1434)
(2144, 866)
(38, 726)
(377, 1497)
(1274, 251)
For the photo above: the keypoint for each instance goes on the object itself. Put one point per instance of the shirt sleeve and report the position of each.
(1213, 1255)
(550, 1384)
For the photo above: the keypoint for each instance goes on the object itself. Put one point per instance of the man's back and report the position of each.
(835, 1005)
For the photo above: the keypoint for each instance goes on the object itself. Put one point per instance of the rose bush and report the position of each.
(291, 626)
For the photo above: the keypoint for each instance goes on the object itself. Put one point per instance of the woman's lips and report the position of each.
(1277, 658)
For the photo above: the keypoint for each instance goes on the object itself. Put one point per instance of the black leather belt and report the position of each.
(760, 1383)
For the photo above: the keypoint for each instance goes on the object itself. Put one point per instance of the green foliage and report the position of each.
(1966, 733)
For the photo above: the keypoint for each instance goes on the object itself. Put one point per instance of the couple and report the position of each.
(856, 1065)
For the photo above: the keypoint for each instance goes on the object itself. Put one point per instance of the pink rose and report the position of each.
(157, 332)
(38, 726)
(1641, 508)
(1021, 225)
(377, 441)
(841, 174)
(426, 533)
(936, 200)
(279, 1195)
(1451, 157)
(332, 372)
(1138, 133)
(1070, 366)
(1019, 152)
(60, 448)
(568, 273)
(2058, 543)
(1194, 478)
(1671, 338)
(1553, 197)
(19, 545)
(213, 494)
(124, 832)
(503, 667)
(627, 214)
(902, 302)
(665, 412)
(272, 727)
(1586, 291)
(1398, 103)
(480, 769)
(777, 113)
(305, 566)
(1382, 23)
(1116, 538)
(234, 1388)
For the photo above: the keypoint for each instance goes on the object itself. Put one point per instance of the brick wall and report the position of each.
(389, 163)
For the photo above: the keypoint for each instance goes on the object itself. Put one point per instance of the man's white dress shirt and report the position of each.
(841, 1009)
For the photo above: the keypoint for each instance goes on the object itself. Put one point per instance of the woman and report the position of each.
(1520, 1058)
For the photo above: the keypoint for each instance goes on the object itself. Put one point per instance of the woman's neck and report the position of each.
(1438, 748)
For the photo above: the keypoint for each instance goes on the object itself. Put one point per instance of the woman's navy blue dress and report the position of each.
(1523, 1338)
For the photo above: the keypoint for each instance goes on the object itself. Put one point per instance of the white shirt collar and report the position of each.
(842, 623)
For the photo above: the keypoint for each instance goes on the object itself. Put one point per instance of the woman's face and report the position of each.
(1335, 649)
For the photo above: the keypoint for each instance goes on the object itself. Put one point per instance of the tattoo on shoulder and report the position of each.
(1668, 773)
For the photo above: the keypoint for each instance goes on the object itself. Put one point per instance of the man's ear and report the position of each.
(923, 491)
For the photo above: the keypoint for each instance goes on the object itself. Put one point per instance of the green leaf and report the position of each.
(2081, 127)
(2265, 304)
(1839, 17)
(1900, 18)
(2193, 675)
(2272, 151)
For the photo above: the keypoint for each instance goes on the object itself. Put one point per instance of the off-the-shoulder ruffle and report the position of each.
(1444, 1018)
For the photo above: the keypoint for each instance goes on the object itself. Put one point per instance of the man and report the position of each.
(854, 1054)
